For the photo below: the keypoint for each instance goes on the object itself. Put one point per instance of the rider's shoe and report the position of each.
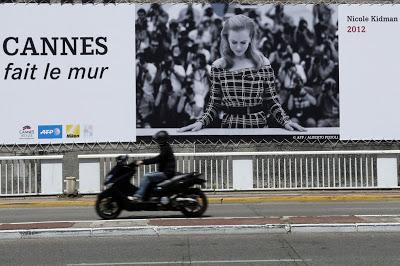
(134, 198)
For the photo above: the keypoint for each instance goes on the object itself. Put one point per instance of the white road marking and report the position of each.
(188, 262)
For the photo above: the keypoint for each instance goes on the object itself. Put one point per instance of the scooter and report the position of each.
(179, 193)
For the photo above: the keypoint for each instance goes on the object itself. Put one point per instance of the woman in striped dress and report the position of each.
(242, 82)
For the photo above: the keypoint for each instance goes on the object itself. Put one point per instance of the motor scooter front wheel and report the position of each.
(199, 207)
(107, 207)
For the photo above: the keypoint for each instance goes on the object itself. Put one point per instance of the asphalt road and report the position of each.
(252, 249)
(265, 209)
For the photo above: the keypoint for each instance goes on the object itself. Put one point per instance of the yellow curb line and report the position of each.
(303, 198)
(36, 204)
(66, 203)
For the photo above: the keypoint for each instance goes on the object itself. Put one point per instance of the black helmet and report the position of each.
(161, 137)
(122, 159)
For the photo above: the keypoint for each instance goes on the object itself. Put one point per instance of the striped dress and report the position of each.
(243, 88)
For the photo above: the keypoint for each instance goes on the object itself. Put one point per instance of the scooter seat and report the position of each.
(176, 178)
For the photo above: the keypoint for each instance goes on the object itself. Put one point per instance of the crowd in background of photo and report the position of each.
(174, 53)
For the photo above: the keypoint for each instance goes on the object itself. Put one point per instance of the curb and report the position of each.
(182, 230)
(212, 200)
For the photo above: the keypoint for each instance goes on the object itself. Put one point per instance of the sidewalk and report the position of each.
(217, 198)
(173, 226)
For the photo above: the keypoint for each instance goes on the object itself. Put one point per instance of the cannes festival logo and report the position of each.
(27, 132)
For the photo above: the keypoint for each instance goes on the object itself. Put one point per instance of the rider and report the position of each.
(165, 161)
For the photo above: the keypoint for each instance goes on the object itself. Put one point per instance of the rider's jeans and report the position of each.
(154, 177)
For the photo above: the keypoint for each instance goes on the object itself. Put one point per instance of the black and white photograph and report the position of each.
(235, 69)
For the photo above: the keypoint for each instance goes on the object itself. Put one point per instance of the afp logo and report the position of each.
(50, 132)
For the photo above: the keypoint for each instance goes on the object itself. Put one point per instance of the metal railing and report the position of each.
(37, 175)
(216, 169)
(273, 170)
(315, 171)
(22, 175)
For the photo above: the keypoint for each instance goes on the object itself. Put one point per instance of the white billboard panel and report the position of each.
(369, 71)
(66, 73)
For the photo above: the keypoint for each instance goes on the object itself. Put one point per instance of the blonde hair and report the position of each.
(238, 23)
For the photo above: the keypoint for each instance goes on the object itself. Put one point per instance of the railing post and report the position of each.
(70, 168)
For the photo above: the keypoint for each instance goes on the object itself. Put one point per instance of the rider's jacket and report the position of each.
(165, 160)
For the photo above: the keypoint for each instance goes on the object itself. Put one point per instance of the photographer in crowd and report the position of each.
(145, 77)
(328, 104)
(302, 105)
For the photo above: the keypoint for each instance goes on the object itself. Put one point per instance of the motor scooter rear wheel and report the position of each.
(195, 210)
(107, 208)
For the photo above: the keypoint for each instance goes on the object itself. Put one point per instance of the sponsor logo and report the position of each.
(88, 131)
(50, 131)
(73, 131)
(27, 132)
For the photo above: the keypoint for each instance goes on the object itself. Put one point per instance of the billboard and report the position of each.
(66, 73)
(186, 84)
(277, 71)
